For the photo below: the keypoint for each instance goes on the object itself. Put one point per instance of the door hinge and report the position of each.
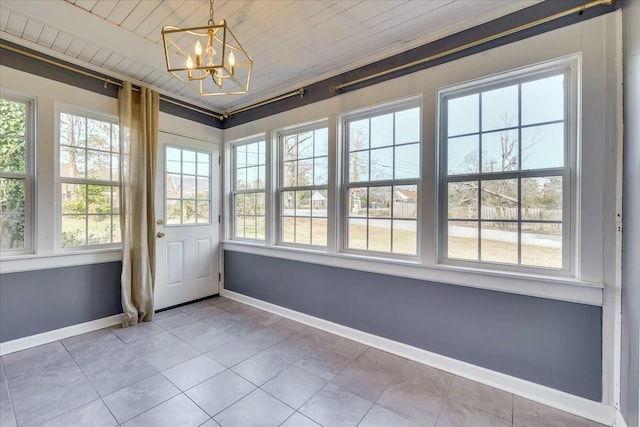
(219, 277)
(218, 159)
(219, 219)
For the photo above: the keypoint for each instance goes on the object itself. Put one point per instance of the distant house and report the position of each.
(405, 203)
(318, 201)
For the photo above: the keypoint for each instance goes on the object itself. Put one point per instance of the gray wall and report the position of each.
(631, 216)
(32, 302)
(554, 343)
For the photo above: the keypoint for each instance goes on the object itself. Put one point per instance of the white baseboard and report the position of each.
(58, 334)
(579, 406)
(620, 421)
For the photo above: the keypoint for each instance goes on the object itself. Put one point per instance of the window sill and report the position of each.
(30, 262)
(550, 287)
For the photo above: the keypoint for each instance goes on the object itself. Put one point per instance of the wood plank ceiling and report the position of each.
(293, 42)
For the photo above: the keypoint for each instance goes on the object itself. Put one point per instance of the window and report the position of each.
(506, 171)
(382, 174)
(89, 182)
(304, 176)
(16, 175)
(187, 181)
(249, 190)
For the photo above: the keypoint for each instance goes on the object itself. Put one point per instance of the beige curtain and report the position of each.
(138, 111)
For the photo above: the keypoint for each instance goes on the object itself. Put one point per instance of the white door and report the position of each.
(187, 216)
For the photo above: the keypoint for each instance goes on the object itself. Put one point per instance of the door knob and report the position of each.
(160, 234)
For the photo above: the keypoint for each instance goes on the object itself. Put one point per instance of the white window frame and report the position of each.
(281, 188)
(65, 109)
(235, 191)
(570, 184)
(345, 185)
(29, 175)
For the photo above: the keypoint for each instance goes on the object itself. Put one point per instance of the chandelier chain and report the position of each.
(211, 21)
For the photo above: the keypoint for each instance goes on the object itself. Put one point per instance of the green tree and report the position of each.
(12, 160)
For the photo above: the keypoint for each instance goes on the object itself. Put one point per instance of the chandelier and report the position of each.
(209, 60)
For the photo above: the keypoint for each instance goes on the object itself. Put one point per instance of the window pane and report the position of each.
(98, 135)
(290, 147)
(543, 146)
(357, 202)
(262, 153)
(13, 120)
(72, 130)
(188, 187)
(305, 172)
(382, 131)
(380, 235)
(116, 234)
(359, 166)
(288, 229)
(500, 199)
(290, 174)
(357, 233)
(303, 231)
(12, 213)
(72, 162)
(542, 198)
(253, 180)
(462, 115)
(98, 165)
(542, 245)
(380, 202)
(500, 108)
(381, 164)
(260, 204)
(543, 100)
(74, 230)
(305, 145)
(239, 226)
(174, 212)
(260, 228)
(500, 151)
(407, 126)
(407, 161)
(463, 155)
(462, 240)
(320, 171)
(74, 199)
(12, 154)
(241, 178)
(188, 212)
(319, 232)
(115, 138)
(99, 198)
(173, 160)
(359, 135)
(115, 200)
(173, 187)
(405, 201)
(204, 164)
(499, 242)
(241, 156)
(288, 203)
(321, 144)
(250, 204)
(252, 154)
(303, 203)
(405, 237)
(99, 232)
(188, 162)
(319, 203)
(463, 200)
(203, 188)
(239, 204)
(203, 212)
(115, 167)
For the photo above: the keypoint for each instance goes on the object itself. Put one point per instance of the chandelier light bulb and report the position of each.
(189, 62)
(198, 48)
(232, 59)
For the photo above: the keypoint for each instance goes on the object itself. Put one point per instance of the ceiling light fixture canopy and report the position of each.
(209, 60)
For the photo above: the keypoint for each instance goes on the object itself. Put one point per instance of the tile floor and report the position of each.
(221, 363)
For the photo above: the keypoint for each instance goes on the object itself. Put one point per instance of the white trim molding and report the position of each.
(620, 421)
(579, 406)
(61, 259)
(58, 334)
